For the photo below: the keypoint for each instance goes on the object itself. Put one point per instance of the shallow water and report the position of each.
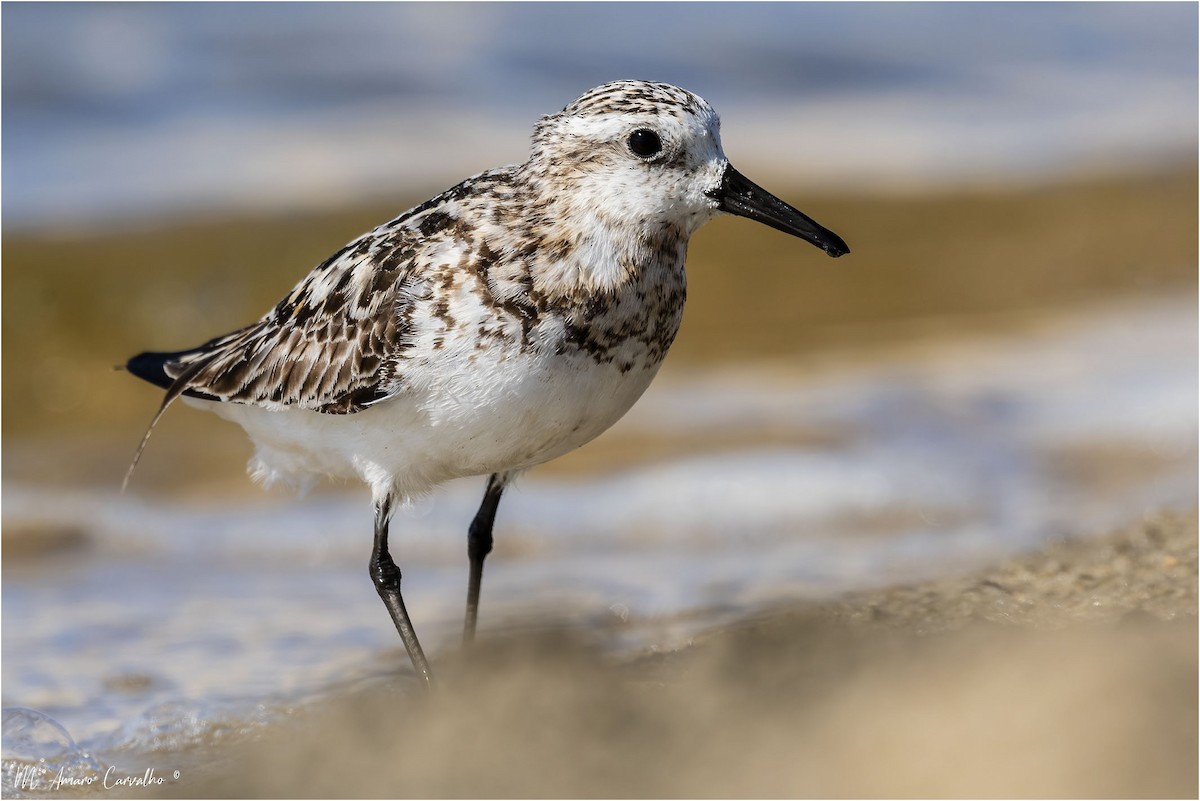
(159, 626)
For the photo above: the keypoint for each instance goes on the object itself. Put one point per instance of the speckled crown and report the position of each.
(633, 97)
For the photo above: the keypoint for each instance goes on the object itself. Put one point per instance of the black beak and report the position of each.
(738, 195)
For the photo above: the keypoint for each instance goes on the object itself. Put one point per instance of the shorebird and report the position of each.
(496, 326)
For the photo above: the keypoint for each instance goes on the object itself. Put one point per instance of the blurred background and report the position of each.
(1007, 358)
(116, 112)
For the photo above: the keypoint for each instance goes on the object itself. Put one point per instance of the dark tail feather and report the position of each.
(152, 367)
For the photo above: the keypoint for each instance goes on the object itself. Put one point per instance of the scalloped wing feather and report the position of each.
(328, 346)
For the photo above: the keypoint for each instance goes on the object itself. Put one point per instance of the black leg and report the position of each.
(479, 545)
(386, 576)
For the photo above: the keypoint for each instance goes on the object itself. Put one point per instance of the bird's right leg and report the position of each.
(386, 576)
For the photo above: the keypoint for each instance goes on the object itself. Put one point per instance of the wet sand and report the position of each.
(1070, 672)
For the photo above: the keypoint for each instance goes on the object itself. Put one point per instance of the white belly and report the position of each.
(509, 414)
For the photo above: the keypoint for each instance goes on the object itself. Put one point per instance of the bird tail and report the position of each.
(152, 367)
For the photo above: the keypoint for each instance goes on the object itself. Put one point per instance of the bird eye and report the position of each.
(645, 143)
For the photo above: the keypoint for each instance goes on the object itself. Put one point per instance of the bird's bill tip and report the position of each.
(738, 195)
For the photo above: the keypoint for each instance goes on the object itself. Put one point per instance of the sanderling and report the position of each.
(494, 327)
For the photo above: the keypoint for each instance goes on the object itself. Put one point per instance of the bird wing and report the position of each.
(333, 345)
(327, 346)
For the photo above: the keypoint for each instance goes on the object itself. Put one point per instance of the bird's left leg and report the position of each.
(479, 545)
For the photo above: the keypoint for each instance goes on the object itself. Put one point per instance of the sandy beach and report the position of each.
(1070, 672)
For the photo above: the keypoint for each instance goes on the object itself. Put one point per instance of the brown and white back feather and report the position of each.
(333, 345)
